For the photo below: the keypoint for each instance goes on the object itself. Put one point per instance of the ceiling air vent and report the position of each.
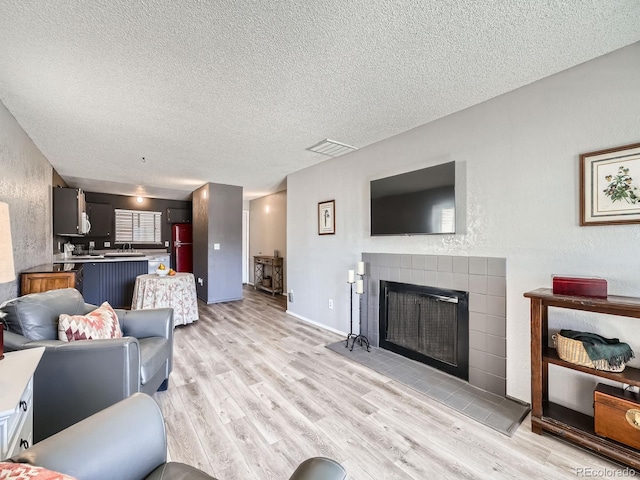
(331, 148)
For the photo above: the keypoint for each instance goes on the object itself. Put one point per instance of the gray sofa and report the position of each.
(77, 379)
(127, 441)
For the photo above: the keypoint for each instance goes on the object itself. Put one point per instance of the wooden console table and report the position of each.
(547, 416)
(264, 265)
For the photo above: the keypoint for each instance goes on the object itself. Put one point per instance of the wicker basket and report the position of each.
(573, 351)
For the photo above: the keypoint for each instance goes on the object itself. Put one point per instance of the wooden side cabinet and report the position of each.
(39, 280)
(16, 401)
(268, 274)
(549, 417)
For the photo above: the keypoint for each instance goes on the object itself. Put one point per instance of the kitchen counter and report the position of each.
(99, 257)
(54, 268)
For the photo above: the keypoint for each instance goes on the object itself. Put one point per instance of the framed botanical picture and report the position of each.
(610, 186)
(327, 217)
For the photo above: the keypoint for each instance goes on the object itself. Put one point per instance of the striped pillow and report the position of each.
(99, 324)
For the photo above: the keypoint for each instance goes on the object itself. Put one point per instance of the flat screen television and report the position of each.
(421, 202)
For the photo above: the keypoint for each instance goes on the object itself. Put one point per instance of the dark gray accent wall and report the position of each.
(217, 221)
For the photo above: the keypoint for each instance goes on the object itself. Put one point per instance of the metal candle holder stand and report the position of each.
(352, 335)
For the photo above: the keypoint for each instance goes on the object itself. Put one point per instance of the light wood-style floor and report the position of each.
(254, 392)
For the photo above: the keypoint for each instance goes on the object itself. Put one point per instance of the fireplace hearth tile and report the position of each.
(497, 412)
(478, 284)
(383, 259)
(445, 263)
(497, 267)
(405, 261)
(496, 326)
(395, 260)
(477, 303)
(496, 286)
(418, 262)
(457, 402)
(444, 280)
(431, 262)
(478, 265)
(477, 411)
(460, 281)
(418, 277)
(438, 393)
(460, 264)
(496, 306)
(477, 321)
(405, 275)
(394, 275)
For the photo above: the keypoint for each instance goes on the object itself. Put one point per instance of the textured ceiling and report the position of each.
(233, 92)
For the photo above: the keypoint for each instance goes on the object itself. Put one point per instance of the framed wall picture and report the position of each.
(327, 217)
(610, 186)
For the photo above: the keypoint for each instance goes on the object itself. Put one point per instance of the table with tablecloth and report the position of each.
(175, 291)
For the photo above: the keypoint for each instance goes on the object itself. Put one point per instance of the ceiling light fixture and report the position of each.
(331, 148)
(139, 199)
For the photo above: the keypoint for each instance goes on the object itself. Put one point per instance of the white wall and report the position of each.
(25, 184)
(517, 157)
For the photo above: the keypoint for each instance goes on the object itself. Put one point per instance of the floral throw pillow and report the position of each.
(99, 324)
(24, 471)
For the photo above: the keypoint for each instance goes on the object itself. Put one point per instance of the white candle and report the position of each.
(352, 276)
(360, 286)
(360, 268)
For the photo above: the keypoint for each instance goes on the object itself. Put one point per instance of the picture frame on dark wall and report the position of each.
(610, 186)
(327, 217)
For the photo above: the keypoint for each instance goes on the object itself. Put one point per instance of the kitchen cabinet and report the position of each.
(101, 218)
(547, 416)
(112, 282)
(69, 212)
(51, 277)
(178, 215)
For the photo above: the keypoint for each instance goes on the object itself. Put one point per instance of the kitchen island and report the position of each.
(108, 279)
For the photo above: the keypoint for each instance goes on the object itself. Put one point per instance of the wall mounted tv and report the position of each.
(421, 202)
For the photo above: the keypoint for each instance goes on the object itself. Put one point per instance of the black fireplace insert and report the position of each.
(427, 324)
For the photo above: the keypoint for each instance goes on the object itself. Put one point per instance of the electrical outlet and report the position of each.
(216, 246)
(200, 282)
(107, 244)
(166, 244)
(330, 304)
(92, 244)
(290, 296)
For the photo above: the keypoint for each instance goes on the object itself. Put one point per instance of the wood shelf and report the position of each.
(564, 422)
(578, 428)
(629, 375)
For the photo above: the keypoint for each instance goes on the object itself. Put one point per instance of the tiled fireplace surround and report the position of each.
(485, 280)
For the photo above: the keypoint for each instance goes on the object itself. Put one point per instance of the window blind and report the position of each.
(135, 226)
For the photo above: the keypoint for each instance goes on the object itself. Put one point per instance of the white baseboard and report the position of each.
(300, 317)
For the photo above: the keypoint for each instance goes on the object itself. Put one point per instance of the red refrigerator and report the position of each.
(182, 247)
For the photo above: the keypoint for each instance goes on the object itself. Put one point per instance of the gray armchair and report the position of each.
(77, 379)
(128, 441)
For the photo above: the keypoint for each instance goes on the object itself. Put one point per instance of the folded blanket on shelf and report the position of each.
(601, 348)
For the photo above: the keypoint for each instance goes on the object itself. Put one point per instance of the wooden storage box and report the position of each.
(617, 414)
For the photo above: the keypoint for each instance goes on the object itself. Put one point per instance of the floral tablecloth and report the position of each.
(177, 292)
